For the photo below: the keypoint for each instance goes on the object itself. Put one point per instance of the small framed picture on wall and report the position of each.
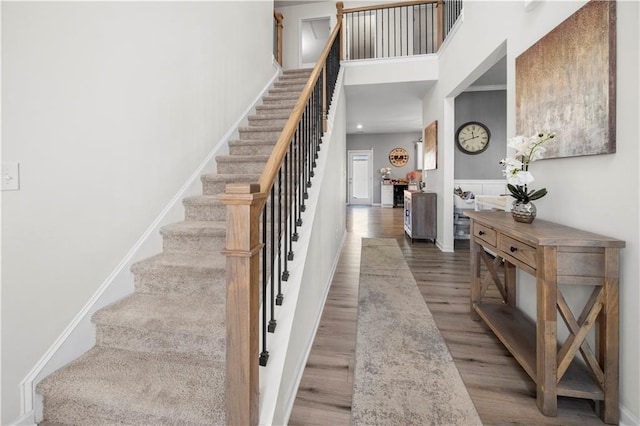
(431, 146)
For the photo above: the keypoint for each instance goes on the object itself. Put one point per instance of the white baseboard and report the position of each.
(26, 419)
(445, 249)
(627, 418)
(79, 336)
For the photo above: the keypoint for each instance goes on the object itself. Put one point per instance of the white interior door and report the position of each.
(361, 177)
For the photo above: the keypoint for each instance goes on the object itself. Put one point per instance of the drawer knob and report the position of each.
(480, 232)
(513, 249)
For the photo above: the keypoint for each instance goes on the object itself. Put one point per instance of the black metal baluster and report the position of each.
(419, 35)
(296, 187)
(305, 153)
(264, 355)
(407, 26)
(309, 143)
(381, 18)
(299, 181)
(358, 37)
(288, 199)
(395, 34)
(370, 25)
(312, 130)
(272, 251)
(281, 237)
(399, 31)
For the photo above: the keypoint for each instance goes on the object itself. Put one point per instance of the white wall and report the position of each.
(108, 107)
(597, 193)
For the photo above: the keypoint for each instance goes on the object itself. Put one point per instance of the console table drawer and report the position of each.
(485, 233)
(518, 250)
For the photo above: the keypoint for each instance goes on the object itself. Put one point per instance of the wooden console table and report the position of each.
(555, 255)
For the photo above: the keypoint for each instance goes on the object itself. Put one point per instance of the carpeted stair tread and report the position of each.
(288, 89)
(275, 108)
(164, 323)
(275, 100)
(241, 142)
(205, 262)
(277, 115)
(202, 200)
(269, 132)
(213, 184)
(252, 147)
(240, 164)
(204, 208)
(269, 128)
(194, 237)
(125, 387)
(181, 273)
(297, 71)
(242, 159)
(196, 228)
(292, 80)
(283, 95)
(229, 178)
(266, 120)
(183, 313)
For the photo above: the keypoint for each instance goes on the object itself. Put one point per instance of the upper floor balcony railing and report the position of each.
(398, 29)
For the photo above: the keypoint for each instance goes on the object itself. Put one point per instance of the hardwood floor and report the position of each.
(501, 391)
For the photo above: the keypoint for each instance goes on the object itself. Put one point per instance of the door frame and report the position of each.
(300, 23)
(350, 154)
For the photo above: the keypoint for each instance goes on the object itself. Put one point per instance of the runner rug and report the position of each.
(404, 373)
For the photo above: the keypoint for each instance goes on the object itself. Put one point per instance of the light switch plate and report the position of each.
(10, 176)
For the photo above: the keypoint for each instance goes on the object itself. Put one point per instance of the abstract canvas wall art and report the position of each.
(566, 83)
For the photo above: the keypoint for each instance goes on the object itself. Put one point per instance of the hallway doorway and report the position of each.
(360, 177)
(314, 34)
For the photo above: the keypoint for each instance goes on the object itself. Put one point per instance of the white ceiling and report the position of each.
(281, 3)
(397, 107)
(385, 108)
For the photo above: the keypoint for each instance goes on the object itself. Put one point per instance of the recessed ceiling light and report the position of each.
(359, 126)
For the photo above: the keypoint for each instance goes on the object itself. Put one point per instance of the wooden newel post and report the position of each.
(440, 24)
(244, 203)
(339, 7)
(279, 20)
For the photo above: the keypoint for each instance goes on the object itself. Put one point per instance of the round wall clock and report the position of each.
(398, 157)
(473, 137)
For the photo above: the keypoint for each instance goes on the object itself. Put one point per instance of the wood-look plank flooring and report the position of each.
(500, 389)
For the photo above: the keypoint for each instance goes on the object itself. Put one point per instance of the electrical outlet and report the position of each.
(10, 176)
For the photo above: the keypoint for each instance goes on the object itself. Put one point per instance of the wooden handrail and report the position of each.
(390, 5)
(268, 176)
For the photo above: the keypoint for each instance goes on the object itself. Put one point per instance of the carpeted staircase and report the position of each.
(159, 356)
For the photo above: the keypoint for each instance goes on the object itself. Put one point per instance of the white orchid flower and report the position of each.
(511, 162)
(521, 178)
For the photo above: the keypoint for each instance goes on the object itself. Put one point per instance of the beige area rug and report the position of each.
(404, 373)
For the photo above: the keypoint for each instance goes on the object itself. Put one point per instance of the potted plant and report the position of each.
(519, 177)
